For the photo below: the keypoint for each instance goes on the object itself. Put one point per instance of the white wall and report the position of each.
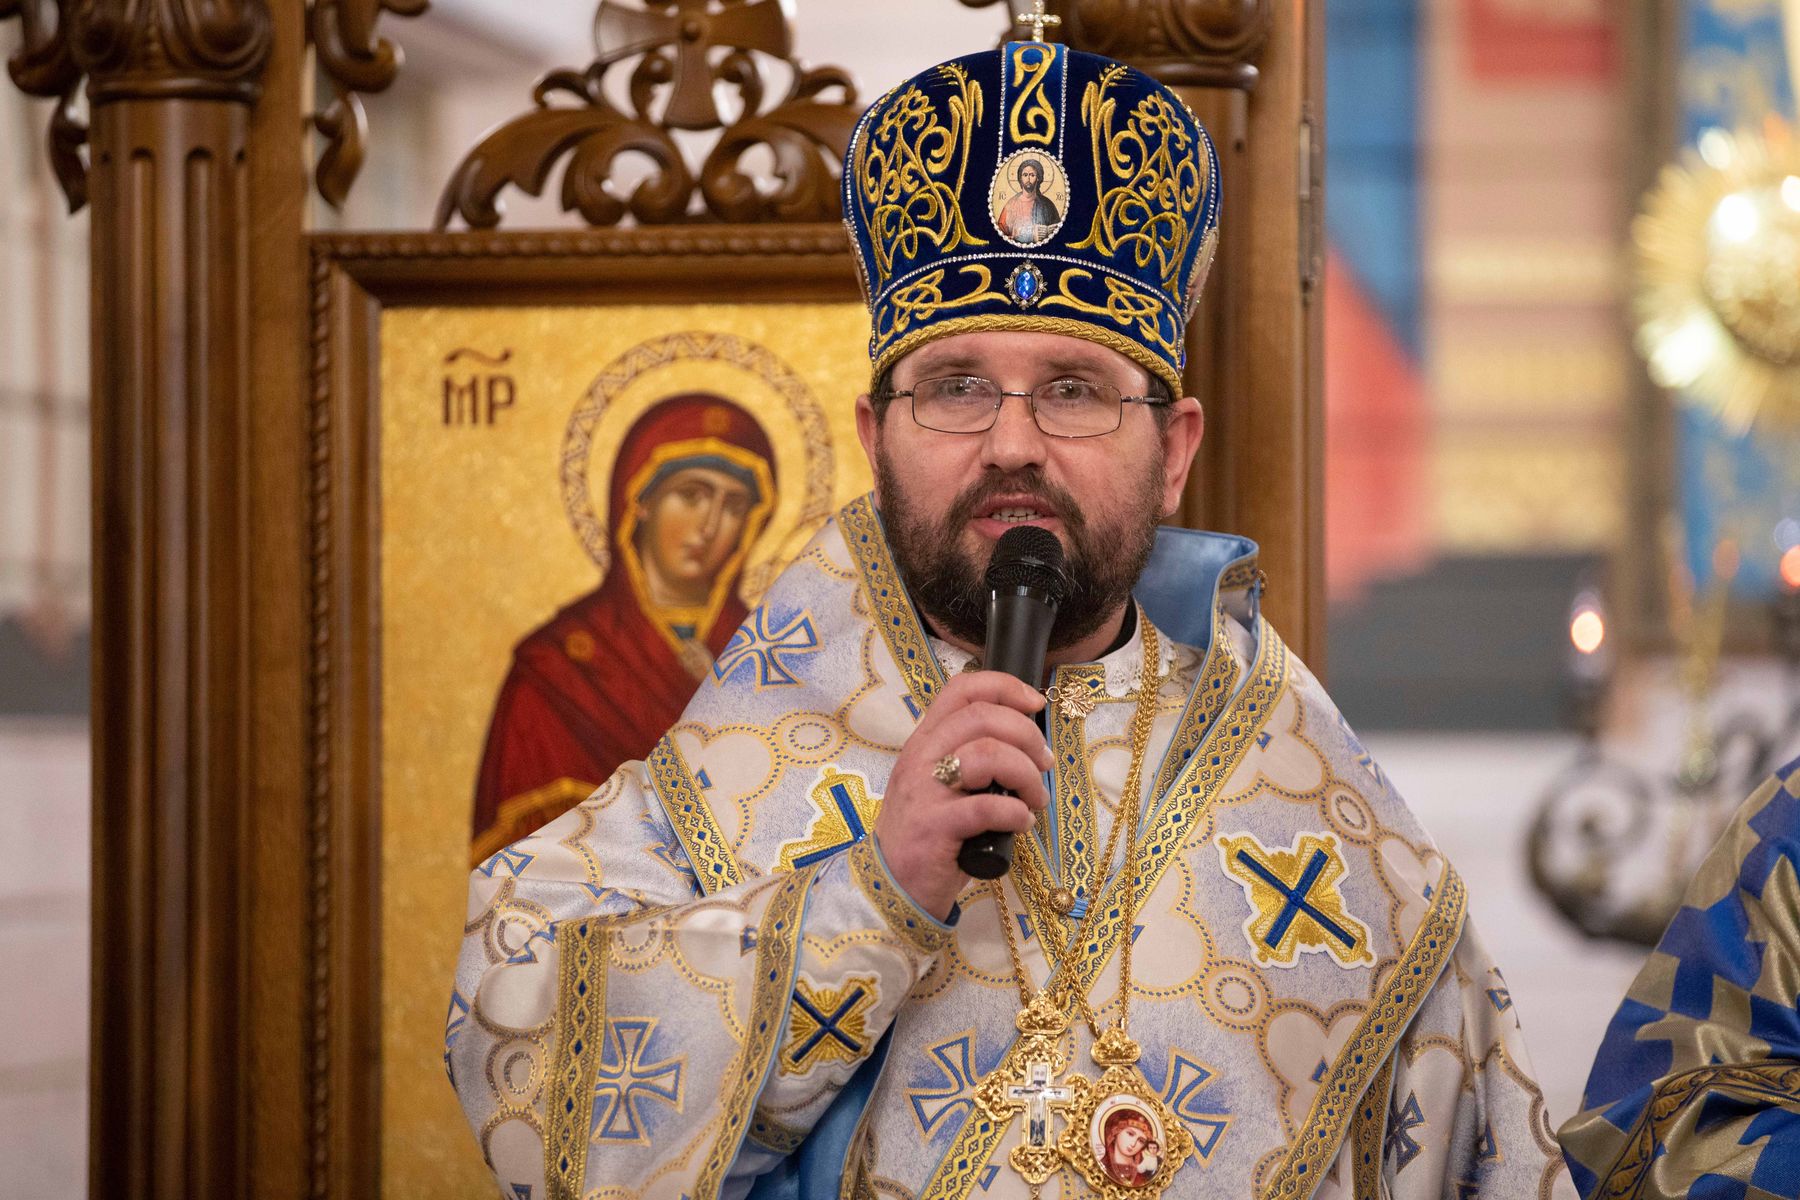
(43, 960)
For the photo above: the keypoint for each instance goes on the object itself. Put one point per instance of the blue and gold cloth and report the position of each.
(702, 982)
(1696, 1089)
(1033, 188)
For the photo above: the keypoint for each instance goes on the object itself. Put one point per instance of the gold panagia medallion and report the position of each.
(1119, 1135)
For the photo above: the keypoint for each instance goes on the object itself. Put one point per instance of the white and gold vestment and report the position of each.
(703, 982)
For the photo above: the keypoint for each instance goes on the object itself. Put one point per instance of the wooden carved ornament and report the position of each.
(678, 50)
(1204, 43)
(356, 61)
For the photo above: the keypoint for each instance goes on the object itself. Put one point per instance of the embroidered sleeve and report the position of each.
(1462, 1109)
(612, 1023)
(904, 917)
(865, 945)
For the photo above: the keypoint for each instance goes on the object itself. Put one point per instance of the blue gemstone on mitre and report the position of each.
(1026, 284)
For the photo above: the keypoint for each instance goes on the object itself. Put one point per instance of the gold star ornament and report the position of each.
(1718, 277)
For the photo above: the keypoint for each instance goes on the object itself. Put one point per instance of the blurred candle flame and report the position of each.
(1587, 630)
(1790, 568)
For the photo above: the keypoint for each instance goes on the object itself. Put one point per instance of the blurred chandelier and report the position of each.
(1616, 837)
(1718, 277)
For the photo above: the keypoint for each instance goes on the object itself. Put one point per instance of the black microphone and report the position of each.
(1027, 581)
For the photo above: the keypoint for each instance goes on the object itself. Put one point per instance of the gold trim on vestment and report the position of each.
(1367, 1134)
(905, 919)
(1776, 1080)
(1239, 575)
(1394, 1000)
(778, 957)
(1199, 783)
(1076, 794)
(519, 810)
(773, 1135)
(889, 604)
(1217, 686)
(575, 1061)
(715, 866)
(1218, 682)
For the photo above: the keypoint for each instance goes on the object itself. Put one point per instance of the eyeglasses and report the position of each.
(1066, 408)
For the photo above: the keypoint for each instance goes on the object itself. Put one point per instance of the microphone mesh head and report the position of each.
(1029, 556)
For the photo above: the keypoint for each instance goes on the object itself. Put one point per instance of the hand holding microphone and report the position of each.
(982, 720)
(1027, 582)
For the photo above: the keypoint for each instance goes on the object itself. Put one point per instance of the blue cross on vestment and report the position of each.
(827, 1025)
(840, 795)
(625, 1081)
(946, 1090)
(1295, 898)
(767, 648)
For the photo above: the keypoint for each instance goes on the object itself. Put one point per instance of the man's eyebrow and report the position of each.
(1053, 364)
(947, 362)
(1075, 364)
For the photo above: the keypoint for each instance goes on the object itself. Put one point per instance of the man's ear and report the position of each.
(868, 432)
(1180, 442)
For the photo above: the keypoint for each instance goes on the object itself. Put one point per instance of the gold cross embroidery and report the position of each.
(1037, 18)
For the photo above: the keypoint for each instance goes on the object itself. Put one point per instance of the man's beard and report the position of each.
(1103, 564)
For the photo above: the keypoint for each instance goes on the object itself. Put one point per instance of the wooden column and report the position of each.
(171, 85)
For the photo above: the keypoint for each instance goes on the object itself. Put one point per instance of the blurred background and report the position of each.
(1563, 494)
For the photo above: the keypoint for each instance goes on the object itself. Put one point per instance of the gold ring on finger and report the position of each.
(948, 771)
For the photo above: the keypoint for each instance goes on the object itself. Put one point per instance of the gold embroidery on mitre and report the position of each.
(924, 298)
(1032, 118)
(828, 1025)
(1124, 304)
(844, 814)
(909, 172)
(1295, 904)
(1158, 169)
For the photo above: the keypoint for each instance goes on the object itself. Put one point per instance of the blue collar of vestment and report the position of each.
(1180, 586)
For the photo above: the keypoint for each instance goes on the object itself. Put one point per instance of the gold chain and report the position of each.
(1129, 805)
(1035, 892)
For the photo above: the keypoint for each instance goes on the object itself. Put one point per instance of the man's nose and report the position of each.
(1015, 440)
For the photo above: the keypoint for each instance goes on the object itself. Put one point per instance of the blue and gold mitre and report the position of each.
(1033, 188)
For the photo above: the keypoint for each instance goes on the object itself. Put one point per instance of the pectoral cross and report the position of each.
(1038, 1094)
(1037, 18)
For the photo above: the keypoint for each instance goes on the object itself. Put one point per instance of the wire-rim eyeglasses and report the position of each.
(1064, 408)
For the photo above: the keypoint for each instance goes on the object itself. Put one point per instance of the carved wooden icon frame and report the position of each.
(356, 278)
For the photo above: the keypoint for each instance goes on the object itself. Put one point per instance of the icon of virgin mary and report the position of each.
(1130, 1153)
(597, 684)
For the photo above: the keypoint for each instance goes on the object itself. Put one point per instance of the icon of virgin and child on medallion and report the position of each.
(1126, 1140)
